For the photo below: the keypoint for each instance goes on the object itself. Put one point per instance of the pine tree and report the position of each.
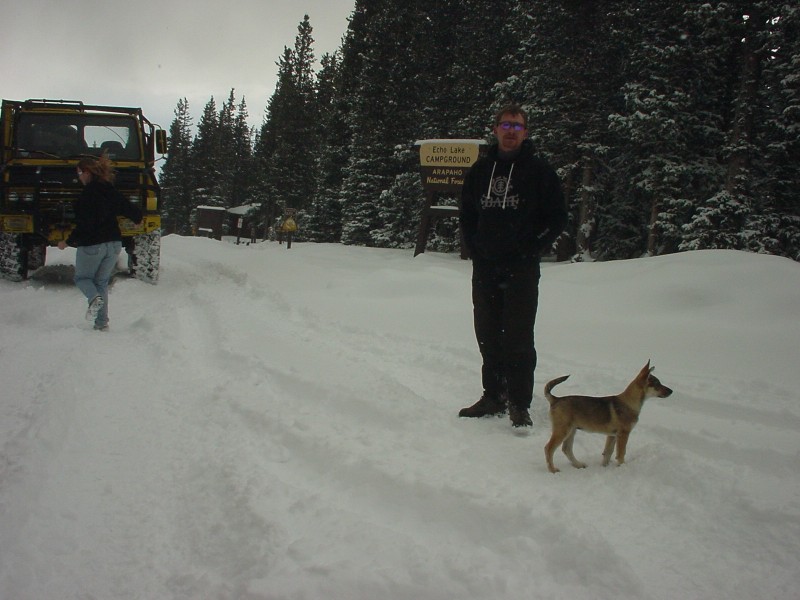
(384, 107)
(399, 206)
(226, 152)
(674, 125)
(205, 159)
(567, 73)
(324, 217)
(288, 140)
(785, 146)
(471, 43)
(177, 174)
(243, 157)
(274, 174)
(741, 213)
(720, 221)
(774, 225)
(664, 134)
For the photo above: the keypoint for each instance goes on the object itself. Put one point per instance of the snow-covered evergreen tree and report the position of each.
(674, 125)
(226, 148)
(177, 174)
(242, 168)
(205, 159)
(567, 72)
(323, 222)
(745, 212)
(384, 106)
(288, 140)
(775, 225)
(399, 206)
(667, 131)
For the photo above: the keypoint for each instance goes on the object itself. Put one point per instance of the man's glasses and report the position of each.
(507, 125)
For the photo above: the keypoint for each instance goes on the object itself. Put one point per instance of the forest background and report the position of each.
(674, 125)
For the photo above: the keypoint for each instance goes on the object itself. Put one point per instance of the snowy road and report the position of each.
(272, 424)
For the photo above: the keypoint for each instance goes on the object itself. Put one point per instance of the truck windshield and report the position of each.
(65, 136)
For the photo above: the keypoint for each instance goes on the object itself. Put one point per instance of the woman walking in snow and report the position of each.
(97, 235)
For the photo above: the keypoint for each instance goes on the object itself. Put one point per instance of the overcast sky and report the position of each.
(151, 53)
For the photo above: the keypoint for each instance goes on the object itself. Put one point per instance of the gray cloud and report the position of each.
(151, 53)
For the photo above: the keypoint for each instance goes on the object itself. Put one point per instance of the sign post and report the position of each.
(443, 166)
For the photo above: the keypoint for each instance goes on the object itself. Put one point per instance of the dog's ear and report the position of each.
(645, 372)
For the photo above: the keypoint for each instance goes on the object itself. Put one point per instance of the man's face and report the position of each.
(510, 132)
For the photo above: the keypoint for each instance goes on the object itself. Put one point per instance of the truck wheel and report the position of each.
(36, 257)
(12, 258)
(146, 257)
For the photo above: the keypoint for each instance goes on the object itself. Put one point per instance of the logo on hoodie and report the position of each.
(499, 196)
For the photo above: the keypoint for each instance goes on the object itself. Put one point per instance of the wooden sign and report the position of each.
(444, 163)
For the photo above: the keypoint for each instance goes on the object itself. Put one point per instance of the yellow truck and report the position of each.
(43, 140)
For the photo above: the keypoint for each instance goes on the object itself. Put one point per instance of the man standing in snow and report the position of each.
(512, 209)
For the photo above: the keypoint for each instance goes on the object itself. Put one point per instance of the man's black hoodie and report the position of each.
(512, 208)
(96, 214)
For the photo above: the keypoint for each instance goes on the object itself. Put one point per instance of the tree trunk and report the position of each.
(586, 211)
(746, 101)
(565, 244)
(652, 238)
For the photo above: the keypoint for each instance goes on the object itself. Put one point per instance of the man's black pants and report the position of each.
(505, 298)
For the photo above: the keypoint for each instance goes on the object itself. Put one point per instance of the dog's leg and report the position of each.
(549, 448)
(567, 448)
(609, 449)
(622, 443)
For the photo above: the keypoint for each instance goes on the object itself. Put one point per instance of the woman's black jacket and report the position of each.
(96, 213)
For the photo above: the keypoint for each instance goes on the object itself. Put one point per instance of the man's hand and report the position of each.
(62, 245)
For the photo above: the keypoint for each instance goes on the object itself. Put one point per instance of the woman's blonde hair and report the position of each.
(99, 167)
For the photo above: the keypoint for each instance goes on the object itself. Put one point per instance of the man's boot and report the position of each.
(486, 406)
(520, 417)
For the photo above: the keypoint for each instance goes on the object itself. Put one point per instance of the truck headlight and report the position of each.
(20, 196)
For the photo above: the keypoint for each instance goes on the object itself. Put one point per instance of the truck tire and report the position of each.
(36, 257)
(146, 257)
(12, 258)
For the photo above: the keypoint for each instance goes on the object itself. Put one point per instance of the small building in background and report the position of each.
(243, 219)
(210, 220)
(216, 221)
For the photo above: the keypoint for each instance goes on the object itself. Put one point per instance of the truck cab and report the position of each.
(43, 140)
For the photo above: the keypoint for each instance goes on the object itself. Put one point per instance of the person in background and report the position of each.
(512, 209)
(97, 236)
(287, 229)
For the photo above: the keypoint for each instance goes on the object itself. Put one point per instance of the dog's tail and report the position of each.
(550, 385)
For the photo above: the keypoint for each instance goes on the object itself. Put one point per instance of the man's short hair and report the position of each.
(511, 109)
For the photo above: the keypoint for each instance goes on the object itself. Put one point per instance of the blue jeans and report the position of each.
(94, 266)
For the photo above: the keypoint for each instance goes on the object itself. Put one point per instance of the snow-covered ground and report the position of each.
(273, 424)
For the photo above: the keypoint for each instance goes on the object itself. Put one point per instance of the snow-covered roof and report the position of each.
(244, 209)
(211, 207)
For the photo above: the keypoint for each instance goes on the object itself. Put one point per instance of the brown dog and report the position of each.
(613, 415)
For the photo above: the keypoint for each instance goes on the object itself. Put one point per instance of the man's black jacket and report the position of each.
(511, 209)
